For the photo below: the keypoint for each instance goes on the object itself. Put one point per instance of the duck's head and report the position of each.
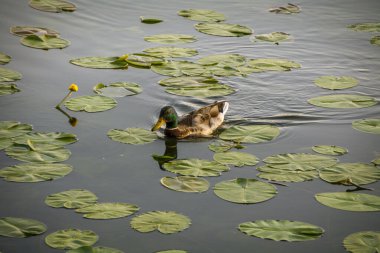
(169, 116)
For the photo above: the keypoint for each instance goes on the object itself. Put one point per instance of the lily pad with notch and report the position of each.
(143, 60)
(371, 126)
(171, 52)
(362, 242)
(8, 89)
(171, 38)
(9, 75)
(192, 81)
(118, 89)
(238, 159)
(330, 150)
(223, 29)
(74, 198)
(195, 167)
(185, 184)
(104, 211)
(90, 103)
(343, 101)
(133, 136)
(71, 238)
(206, 91)
(272, 64)
(202, 15)
(250, 134)
(274, 37)
(20, 227)
(10, 129)
(54, 138)
(180, 68)
(32, 30)
(113, 62)
(350, 201)
(223, 146)
(336, 82)
(281, 175)
(52, 5)
(44, 42)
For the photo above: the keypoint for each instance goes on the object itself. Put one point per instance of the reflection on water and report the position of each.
(170, 152)
(72, 120)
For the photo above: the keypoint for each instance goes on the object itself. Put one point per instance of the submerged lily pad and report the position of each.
(52, 5)
(8, 75)
(371, 126)
(99, 249)
(215, 90)
(103, 211)
(71, 238)
(171, 38)
(330, 150)
(202, 15)
(35, 172)
(91, 103)
(171, 52)
(32, 30)
(278, 174)
(186, 81)
(9, 129)
(195, 167)
(223, 146)
(250, 134)
(133, 136)
(74, 198)
(100, 62)
(238, 159)
(4, 59)
(365, 27)
(362, 242)
(8, 88)
(223, 29)
(336, 82)
(288, 9)
(166, 222)
(350, 201)
(20, 227)
(274, 37)
(54, 138)
(272, 64)
(375, 40)
(143, 60)
(150, 20)
(343, 101)
(282, 230)
(185, 184)
(118, 89)
(179, 68)
(44, 42)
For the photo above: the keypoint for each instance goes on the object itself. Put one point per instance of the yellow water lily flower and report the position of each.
(73, 87)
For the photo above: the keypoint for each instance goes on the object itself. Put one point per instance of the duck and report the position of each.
(199, 123)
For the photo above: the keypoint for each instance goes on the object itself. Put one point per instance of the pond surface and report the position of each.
(118, 172)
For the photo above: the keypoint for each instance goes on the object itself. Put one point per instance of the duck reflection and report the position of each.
(170, 152)
(72, 120)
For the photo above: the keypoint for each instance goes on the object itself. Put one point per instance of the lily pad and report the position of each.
(8, 88)
(274, 37)
(362, 242)
(343, 101)
(171, 38)
(20, 227)
(282, 230)
(54, 138)
(118, 89)
(9, 129)
(4, 59)
(202, 15)
(179, 68)
(375, 40)
(195, 167)
(336, 82)
(365, 27)
(8, 75)
(186, 81)
(74, 198)
(5, 142)
(288, 9)
(244, 190)
(150, 20)
(230, 60)
(371, 126)
(99, 249)
(133, 136)
(272, 64)
(171, 52)
(71, 238)
(250, 134)
(215, 90)
(238, 159)
(350, 173)
(166, 222)
(278, 174)
(223, 146)
(44, 42)
(185, 184)
(350, 201)
(32, 30)
(103, 211)
(52, 5)
(223, 29)
(100, 62)
(143, 60)
(35, 172)
(330, 150)
(376, 161)
(91, 103)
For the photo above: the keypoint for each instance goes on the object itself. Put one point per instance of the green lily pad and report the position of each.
(238, 159)
(362, 242)
(20, 227)
(171, 52)
(91, 103)
(179, 68)
(274, 37)
(5, 142)
(223, 146)
(185, 184)
(35, 172)
(350, 201)
(202, 15)
(330, 150)
(223, 29)
(215, 90)
(71, 238)
(150, 20)
(350, 173)
(272, 64)
(365, 27)
(278, 174)
(376, 161)
(375, 40)
(118, 89)
(336, 82)
(4, 59)
(75, 198)
(343, 101)
(195, 167)
(54, 138)
(282, 230)
(170, 38)
(44, 42)
(103, 211)
(8, 88)
(288, 9)
(9, 129)
(100, 62)
(187, 81)
(244, 191)
(52, 5)
(32, 30)
(99, 249)
(133, 136)
(231, 60)
(143, 60)
(166, 222)
(8, 75)
(250, 134)
(371, 126)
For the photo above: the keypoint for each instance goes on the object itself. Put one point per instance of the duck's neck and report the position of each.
(172, 124)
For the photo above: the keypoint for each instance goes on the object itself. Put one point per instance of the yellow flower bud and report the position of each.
(73, 87)
(123, 57)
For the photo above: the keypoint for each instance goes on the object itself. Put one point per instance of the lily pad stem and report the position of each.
(64, 99)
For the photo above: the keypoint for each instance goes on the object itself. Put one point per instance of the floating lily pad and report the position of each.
(371, 126)
(278, 174)
(32, 30)
(365, 27)
(91, 103)
(362, 242)
(336, 82)
(238, 159)
(223, 29)
(54, 138)
(343, 101)
(195, 167)
(143, 60)
(375, 40)
(171, 52)
(20, 227)
(179, 68)
(8, 75)
(150, 20)
(44, 42)
(74, 198)
(8, 88)
(9, 129)
(4, 59)
(133, 136)
(5, 142)
(350, 173)
(202, 91)
(245, 190)
(250, 134)
(202, 15)
(330, 150)
(274, 37)
(376, 161)
(272, 64)
(186, 81)
(282, 230)
(223, 146)
(71, 238)
(171, 38)
(288, 9)
(99, 249)
(103, 211)
(100, 62)
(166, 222)
(231, 60)
(35, 172)
(52, 5)
(350, 201)
(118, 89)
(185, 184)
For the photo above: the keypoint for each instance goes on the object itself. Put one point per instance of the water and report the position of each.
(126, 173)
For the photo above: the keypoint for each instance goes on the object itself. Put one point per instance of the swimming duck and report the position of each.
(199, 123)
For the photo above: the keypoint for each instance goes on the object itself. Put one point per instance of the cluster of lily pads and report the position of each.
(7, 77)
(368, 27)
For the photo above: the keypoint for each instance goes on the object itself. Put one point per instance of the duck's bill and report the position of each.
(159, 123)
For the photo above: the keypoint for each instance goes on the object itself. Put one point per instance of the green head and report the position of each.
(169, 116)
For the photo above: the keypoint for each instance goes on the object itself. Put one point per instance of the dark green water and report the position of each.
(126, 173)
